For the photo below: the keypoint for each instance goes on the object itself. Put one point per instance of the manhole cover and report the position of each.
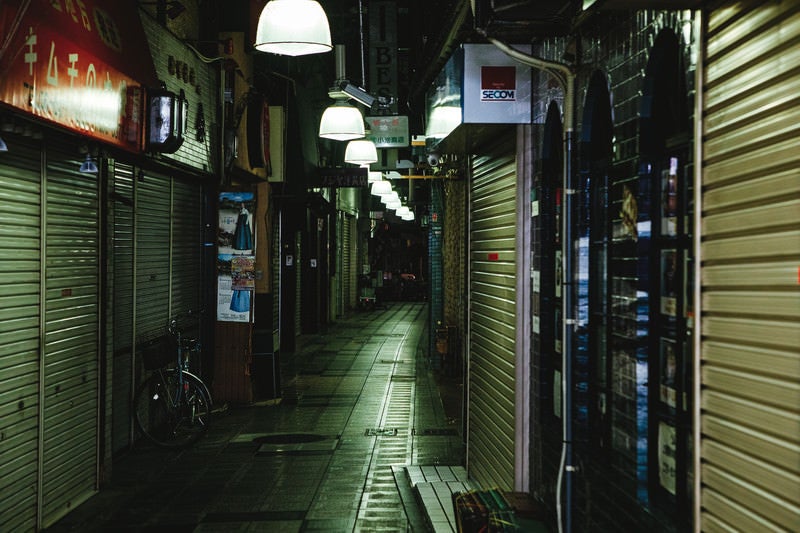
(289, 438)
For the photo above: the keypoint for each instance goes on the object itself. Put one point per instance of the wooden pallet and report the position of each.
(434, 487)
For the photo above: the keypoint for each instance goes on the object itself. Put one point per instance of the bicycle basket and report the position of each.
(156, 353)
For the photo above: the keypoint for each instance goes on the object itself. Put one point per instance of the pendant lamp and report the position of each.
(392, 204)
(408, 216)
(402, 210)
(380, 188)
(293, 28)
(341, 122)
(360, 152)
(373, 176)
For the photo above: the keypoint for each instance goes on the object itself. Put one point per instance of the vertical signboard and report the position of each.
(383, 50)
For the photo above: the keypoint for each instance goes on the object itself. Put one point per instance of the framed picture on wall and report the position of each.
(669, 199)
(669, 282)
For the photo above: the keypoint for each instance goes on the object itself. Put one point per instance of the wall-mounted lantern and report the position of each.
(167, 118)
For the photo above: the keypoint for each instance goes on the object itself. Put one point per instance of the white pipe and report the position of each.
(566, 77)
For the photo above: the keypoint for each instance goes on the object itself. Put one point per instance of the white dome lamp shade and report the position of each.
(392, 204)
(402, 210)
(408, 216)
(341, 122)
(373, 176)
(361, 152)
(380, 188)
(293, 28)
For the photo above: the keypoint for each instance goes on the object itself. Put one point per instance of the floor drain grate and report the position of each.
(430, 432)
(381, 432)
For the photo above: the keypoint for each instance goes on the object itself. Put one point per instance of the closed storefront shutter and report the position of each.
(122, 224)
(70, 383)
(20, 226)
(750, 434)
(492, 317)
(157, 271)
(344, 273)
(153, 224)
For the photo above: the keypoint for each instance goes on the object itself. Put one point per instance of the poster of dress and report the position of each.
(235, 257)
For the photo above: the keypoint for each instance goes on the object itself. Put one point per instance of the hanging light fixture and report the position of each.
(341, 122)
(402, 210)
(379, 188)
(88, 166)
(408, 216)
(293, 28)
(361, 152)
(392, 203)
(373, 176)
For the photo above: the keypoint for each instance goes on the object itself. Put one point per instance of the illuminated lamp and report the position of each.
(167, 117)
(373, 176)
(88, 166)
(408, 216)
(380, 188)
(402, 210)
(442, 121)
(341, 122)
(293, 28)
(392, 204)
(360, 152)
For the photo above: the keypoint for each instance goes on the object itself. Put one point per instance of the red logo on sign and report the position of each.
(498, 84)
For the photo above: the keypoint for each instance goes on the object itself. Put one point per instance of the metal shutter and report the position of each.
(352, 298)
(20, 222)
(750, 365)
(344, 273)
(186, 256)
(122, 222)
(493, 228)
(71, 317)
(153, 227)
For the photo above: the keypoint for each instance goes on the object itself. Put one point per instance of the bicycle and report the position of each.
(172, 406)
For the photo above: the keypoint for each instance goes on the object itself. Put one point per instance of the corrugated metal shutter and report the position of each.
(352, 301)
(346, 250)
(186, 256)
(71, 388)
(750, 469)
(298, 289)
(153, 227)
(493, 231)
(20, 221)
(122, 256)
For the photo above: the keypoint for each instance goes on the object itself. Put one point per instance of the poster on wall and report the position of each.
(669, 364)
(667, 443)
(669, 199)
(669, 282)
(235, 257)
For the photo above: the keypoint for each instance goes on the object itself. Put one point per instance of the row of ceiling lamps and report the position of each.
(300, 27)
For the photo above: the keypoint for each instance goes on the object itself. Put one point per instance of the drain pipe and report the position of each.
(566, 77)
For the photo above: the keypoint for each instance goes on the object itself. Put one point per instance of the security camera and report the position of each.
(433, 159)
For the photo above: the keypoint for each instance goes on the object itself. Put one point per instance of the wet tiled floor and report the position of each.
(357, 403)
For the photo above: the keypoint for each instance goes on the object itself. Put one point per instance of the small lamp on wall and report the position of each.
(167, 116)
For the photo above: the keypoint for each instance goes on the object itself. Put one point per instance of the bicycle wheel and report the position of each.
(169, 415)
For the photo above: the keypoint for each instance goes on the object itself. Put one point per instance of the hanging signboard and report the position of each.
(388, 131)
(340, 177)
(78, 64)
